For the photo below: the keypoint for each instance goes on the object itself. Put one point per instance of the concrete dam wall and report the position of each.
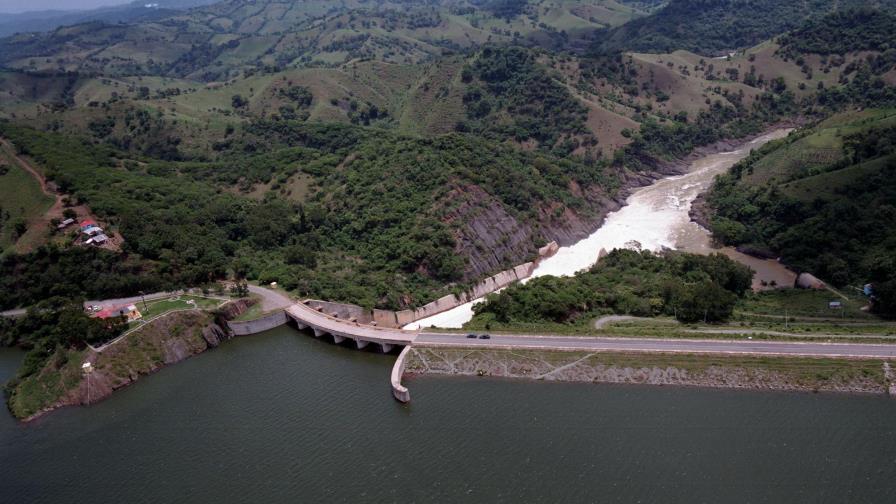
(269, 321)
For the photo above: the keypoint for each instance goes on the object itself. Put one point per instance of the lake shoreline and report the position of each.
(166, 341)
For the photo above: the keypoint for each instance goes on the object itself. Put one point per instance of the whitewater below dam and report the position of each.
(654, 217)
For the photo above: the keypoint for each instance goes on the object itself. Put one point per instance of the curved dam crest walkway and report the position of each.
(322, 324)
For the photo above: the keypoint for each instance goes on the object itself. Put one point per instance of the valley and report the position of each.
(673, 193)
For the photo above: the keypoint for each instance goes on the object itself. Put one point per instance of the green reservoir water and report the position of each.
(282, 417)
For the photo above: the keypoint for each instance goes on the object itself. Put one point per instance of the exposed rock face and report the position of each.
(492, 238)
(487, 234)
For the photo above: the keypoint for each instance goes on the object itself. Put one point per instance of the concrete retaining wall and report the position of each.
(264, 323)
(399, 391)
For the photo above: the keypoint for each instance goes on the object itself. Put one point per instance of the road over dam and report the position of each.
(604, 344)
(323, 324)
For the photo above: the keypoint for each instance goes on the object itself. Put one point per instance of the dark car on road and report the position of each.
(471, 336)
(484, 336)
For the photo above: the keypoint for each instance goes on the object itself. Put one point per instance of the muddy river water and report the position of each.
(654, 217)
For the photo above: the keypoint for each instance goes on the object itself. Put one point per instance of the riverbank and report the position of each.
(160, 343)
(651, 213)
(801, 374)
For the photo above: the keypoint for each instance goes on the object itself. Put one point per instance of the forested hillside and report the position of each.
(823, 199)
(717, 27)
(389, 152)
(379, 219)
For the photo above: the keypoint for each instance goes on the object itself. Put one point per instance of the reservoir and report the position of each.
(283, 417)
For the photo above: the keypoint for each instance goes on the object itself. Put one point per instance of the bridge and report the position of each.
(323, 324)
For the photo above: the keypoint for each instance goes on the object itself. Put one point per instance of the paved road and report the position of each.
(602, 322)
(128, 300)
(813, 349)
(270, 299)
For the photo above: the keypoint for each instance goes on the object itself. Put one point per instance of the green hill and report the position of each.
(823, 199)
(717, 27)
(224, 40)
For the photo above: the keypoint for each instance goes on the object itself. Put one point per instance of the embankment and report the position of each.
(260, 324)
(160, 343)
(740, 372)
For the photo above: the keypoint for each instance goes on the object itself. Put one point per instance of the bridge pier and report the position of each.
(318, 333)
(301, 326)
(361, 344)
(387, 347)
(338, 339)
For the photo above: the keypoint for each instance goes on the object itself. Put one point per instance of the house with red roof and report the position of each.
(129, 311)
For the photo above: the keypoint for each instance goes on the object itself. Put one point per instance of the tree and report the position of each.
(238, 102)
(704, 301)
(240, 289)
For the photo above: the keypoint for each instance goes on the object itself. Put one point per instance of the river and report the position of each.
(283, 417)
(654, 217)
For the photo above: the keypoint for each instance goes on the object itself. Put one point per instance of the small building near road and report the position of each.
(92, 231)
(128, 311)
(66, 223)
(98, 239)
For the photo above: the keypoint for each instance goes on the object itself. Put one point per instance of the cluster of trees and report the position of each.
(690, 287)
(843, 31)
(79, 272)
(713, 27)
(846, 234)
(678, 137)
(49, 328)
(511, 96)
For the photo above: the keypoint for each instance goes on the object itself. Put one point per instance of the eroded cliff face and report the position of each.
(486, 233)
(493, 237)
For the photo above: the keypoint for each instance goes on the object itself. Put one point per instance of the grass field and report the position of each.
(798, 159)
(21, 199)
(162, 306)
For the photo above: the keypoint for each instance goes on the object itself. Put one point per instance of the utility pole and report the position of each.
(143, 297)
(88, 370)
